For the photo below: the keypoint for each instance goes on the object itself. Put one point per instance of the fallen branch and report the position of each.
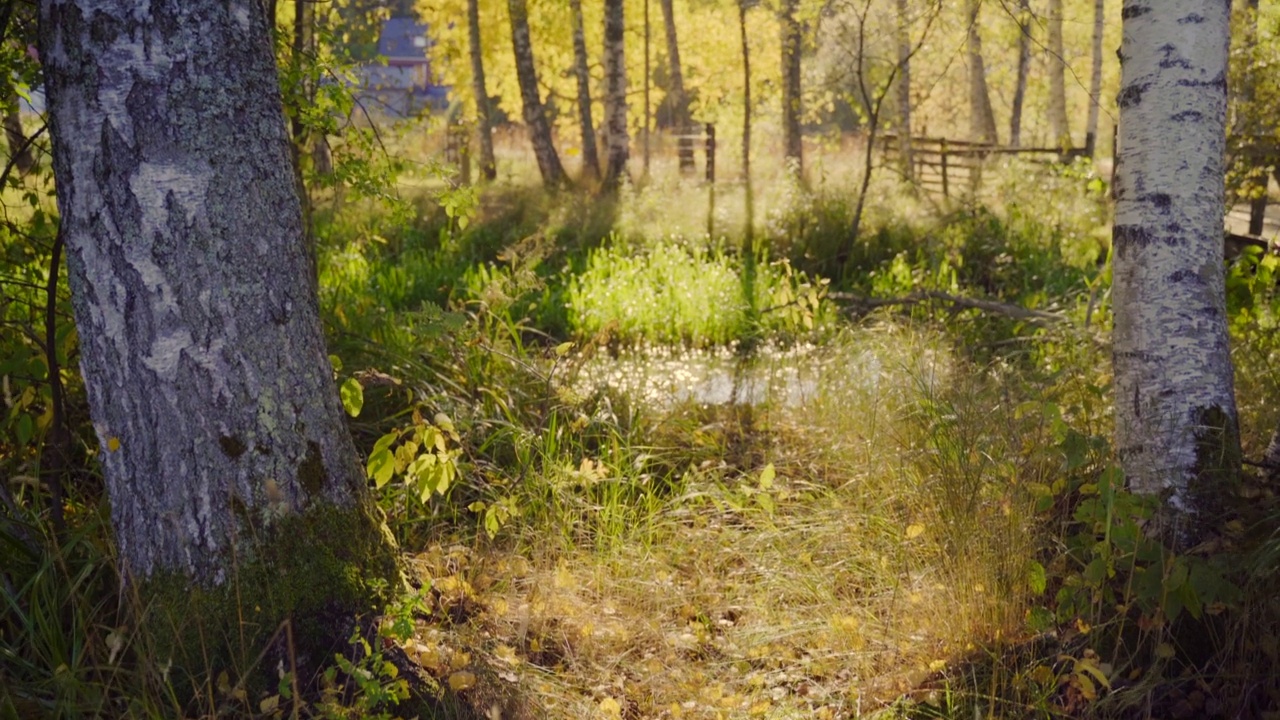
(1014, 311)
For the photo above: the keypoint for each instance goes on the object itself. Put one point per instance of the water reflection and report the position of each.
(792, 376)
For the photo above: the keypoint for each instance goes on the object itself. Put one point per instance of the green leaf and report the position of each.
(766, 477)
(352, 393)
(1036, 578)
(381, 466)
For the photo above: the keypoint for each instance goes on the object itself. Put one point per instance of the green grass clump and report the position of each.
(674, 292)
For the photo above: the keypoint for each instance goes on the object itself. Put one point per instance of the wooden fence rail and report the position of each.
(938, 163)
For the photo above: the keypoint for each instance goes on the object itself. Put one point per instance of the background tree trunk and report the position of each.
(19, 152)
(535, 117)
(792, 139)
(223, 443)
(1095, 80)
(484, 121)
(1024, 66)
(906, 159)
(615, 97)
(1176, 427)
(587, 128)
(982, 120)
(1059, 129)
(679, 99)
(746, 123)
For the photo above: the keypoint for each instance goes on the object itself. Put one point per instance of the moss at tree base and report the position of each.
(320, 570)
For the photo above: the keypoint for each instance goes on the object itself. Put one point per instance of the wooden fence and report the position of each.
(945, 166)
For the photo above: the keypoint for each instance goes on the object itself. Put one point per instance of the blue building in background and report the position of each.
(402, 83)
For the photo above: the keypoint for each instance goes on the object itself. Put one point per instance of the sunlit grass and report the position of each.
(808, 563)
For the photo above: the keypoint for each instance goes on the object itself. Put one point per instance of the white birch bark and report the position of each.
(1175, 409)
(201, 348)
(1059, 129)
(982, 119)
(1095, 80)
(617, 138)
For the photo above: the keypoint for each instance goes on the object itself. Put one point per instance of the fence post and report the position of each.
(711, 153)
(711, 180)
(946, 187)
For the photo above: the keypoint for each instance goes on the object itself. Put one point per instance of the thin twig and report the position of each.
(1015, 311)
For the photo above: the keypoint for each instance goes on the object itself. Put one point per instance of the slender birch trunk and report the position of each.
(792, 140)
(648, 82)
(1024, 66)
(535, 116)
(982, 120)
(1175, 413)
(679, 99)
(586, 127)
(1059, 128)
(746, 123)
(479, 89)
(19, 152)
(903, 86)
(1095, 80)
(617, 138)
(231, 474)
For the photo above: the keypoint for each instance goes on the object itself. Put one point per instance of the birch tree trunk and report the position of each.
(223, 443)
(1059, 129)
(1175, 413)
(615, 93)
(905, 51)
(1024, 66)
(484, 121)
(1095, 80)
(586, 127)
(19, 152)
(746, 125)
(679, 99)
(535, 116)
(982, 120)
(792, 140)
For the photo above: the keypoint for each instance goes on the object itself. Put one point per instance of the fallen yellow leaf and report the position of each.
(462, 680)
(610, 708)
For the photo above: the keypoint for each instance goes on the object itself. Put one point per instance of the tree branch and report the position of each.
(1016, 312)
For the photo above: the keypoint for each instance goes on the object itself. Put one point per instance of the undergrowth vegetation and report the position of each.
(642, 471)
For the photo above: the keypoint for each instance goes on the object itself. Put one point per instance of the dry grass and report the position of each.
(839, 591)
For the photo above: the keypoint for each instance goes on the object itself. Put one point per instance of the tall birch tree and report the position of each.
(586, 127)
(903, 87)
(792, 140)
(484, 119)
(535, 115)
(615, 93)
(1095, 80)
(1175, 412)
(679, 98)
(1059, 128)
(1024, 66)
(982, 119)
(231, 474)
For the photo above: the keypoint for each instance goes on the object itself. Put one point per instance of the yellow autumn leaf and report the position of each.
(269, 704)
(609, 708)
(462, 680)
(914, 531)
